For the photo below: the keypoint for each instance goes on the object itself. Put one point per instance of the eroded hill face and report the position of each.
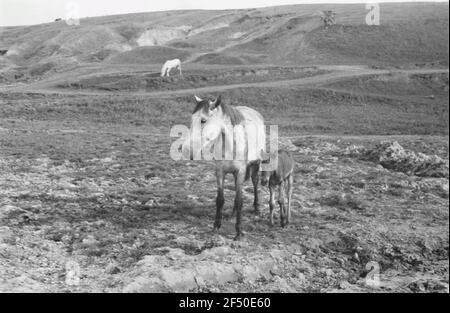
(408, 34)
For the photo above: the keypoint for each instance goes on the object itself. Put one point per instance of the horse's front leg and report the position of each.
(220, 198)
(255, 180)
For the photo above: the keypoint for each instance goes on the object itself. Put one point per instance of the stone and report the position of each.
(112, 269)
(182, 280)
(6, 234)
(146, 285)
(250, 274)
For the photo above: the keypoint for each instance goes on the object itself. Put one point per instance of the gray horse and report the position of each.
(239, 134)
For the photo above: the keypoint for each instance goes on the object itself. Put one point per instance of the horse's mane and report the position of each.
(230, 111)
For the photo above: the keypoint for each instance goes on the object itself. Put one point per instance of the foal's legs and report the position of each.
(179, 67)
(255, 180)
(281, 195)
(220, 199)
(239, 178)
(290, 186)
(271, 202)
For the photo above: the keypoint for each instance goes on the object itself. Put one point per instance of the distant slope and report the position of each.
(149, 55)
(409, 33)
(391, 44)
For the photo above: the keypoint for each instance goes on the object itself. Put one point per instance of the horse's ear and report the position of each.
(214, 104)
(198, 99)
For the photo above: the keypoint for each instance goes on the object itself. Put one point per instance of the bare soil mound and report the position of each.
(393, 156)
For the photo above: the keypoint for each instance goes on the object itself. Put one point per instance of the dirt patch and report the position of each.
(160, 35)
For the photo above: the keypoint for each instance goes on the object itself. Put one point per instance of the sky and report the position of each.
(28, 12)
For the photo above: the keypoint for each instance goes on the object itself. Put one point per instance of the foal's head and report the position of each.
(267, 158)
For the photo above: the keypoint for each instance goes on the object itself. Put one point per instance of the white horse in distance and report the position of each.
(169, 65)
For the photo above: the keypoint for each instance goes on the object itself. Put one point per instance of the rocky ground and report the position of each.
(105, 210)
(90, 200)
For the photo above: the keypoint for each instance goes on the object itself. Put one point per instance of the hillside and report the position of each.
(412, 33)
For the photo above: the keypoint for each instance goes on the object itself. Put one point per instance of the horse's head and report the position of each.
(205, 109)
(207, 124)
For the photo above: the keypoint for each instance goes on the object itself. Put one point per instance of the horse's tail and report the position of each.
(252, 167)
(248, 172)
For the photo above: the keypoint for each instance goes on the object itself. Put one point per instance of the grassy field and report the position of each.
(194, 79)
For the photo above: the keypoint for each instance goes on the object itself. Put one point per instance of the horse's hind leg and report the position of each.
(179, 67)
(290, 186)
(255, 181)
(271, 202)
(239, 178)
(220, 198)
(281, 195)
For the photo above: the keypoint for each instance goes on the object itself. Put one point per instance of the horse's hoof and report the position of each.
(238, 237)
